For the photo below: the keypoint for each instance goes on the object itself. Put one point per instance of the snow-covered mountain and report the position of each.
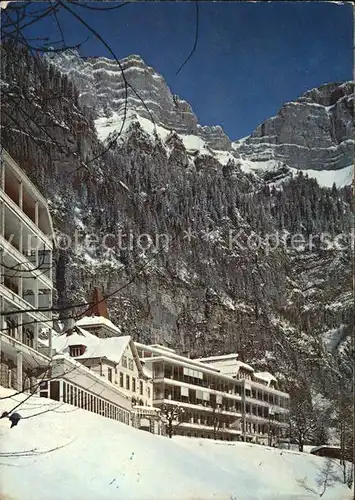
(313, 133)
(112, 89)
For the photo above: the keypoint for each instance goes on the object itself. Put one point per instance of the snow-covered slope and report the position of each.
(314, 133)
(68, 453)
(326, 178)
(121, 124)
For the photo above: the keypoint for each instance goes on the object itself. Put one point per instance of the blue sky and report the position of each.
(250, 57)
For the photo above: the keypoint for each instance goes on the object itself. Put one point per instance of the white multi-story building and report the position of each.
(26, 240)
(265, 408)
(98, 369)
(221, 397)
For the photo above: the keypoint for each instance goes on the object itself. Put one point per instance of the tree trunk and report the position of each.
(300, 443)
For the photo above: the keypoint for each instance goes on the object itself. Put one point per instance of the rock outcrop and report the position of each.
(315, 131)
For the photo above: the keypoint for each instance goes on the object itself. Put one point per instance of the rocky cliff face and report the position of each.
(205, 292)
(103, 85)
(315, 131)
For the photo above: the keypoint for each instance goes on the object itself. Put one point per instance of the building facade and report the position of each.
(26, 241)
(221, 397)
(98, 369)
(265, 408)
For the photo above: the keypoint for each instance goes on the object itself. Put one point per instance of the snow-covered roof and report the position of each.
(241, 364)
(266, 376)
(181, 360)
(220, 357)
(99, 321)
(162, 347)
(111, 348)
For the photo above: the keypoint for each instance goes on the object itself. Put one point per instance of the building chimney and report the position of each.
(70, 326)
(99, 305)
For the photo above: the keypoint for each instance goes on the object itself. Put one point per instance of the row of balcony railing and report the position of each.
(37, 259)
(257, 412)
(255, 396)
(40, 301)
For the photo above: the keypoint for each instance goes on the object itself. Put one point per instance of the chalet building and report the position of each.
(222, 397)
(26, 240)
(98, 369)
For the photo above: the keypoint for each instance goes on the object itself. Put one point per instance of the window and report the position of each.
(130, 364)
(141, 387)
(185, 391)
(127, 381)
(121, 379)
(206, 396)
(133, 384)
(75, 351)
(109, 374)
(28, 337)
(148, 390)
(124, 361)
(11, 327)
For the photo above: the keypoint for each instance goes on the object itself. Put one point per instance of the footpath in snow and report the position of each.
(61, 452)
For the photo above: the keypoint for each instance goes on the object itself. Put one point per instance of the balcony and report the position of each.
(25, 219)
(21, 304)
(268, 390)
(166, 372)
(189, 425)
(265, 420)
(11, 347)
(25, 260)
(177, 383)
(18, 191)
(195, 406)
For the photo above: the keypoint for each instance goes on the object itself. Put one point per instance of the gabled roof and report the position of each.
(111, 348)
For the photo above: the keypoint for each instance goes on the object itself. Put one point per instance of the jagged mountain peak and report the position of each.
(102, 87)
(314, 132)
(329, 93)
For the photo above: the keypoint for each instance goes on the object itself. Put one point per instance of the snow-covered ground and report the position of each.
(326, 178)
(74, 454)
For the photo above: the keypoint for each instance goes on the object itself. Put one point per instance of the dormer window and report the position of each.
(77, 350)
